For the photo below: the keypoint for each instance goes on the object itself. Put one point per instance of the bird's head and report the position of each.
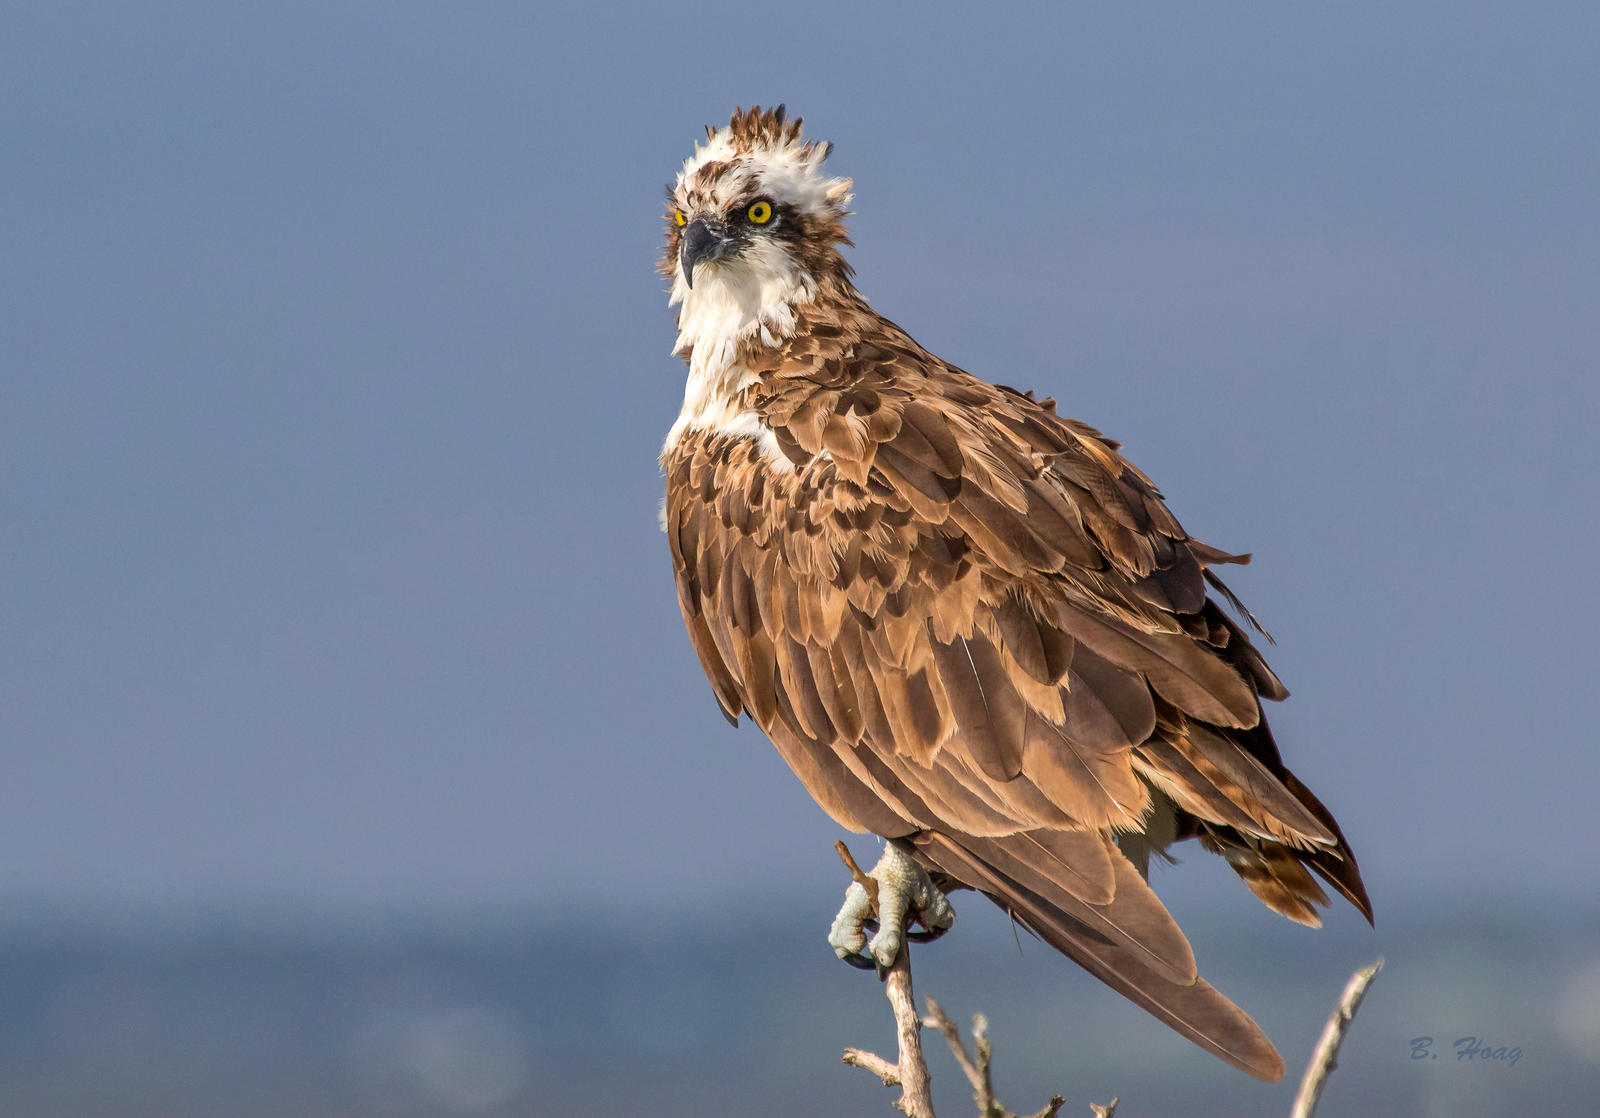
(753, 214)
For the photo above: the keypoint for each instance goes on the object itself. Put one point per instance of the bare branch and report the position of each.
(914, 1078)
(910, 1074)
(877, 1065)
(1324, 1057)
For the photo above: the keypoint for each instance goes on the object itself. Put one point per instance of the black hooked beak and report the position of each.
(701, 239)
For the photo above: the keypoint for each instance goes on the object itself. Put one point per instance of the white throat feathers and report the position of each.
(748, 298)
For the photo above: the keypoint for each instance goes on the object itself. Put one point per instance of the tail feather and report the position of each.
(1336, 866)
(1194, 1008)
(1276, 874)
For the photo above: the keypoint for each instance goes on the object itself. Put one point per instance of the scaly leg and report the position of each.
(904, 892)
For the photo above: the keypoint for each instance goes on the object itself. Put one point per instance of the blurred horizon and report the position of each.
(495, 1015)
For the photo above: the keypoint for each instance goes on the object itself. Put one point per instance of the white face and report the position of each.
(733, 207)
(754, 233)
(745, 194)
(747, 297)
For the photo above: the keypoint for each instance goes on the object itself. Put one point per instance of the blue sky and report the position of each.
(333, 367)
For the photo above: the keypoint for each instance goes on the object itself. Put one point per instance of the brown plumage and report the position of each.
(967, 622)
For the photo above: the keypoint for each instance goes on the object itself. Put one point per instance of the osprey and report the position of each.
(969, 625)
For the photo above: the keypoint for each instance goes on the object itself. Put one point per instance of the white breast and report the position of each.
(751, 299)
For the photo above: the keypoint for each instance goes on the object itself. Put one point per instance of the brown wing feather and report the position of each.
(968, 621)
(1194, 1008)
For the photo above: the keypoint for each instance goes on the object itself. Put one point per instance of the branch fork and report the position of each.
(910, 1071)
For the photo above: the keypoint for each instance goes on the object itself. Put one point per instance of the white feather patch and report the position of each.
(747, 298)
(791, 171)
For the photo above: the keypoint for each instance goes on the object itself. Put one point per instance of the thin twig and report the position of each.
(856, 873)
(1325, 1057)
(979, 1071)
(937, 1019)
(876, 1064)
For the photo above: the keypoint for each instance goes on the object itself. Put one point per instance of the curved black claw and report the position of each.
(866, 962)
(860, 960)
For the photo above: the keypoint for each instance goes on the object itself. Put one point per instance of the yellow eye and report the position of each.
(677, 216)
(759, 213)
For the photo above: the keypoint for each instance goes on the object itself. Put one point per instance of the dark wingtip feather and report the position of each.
(1233, 600)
